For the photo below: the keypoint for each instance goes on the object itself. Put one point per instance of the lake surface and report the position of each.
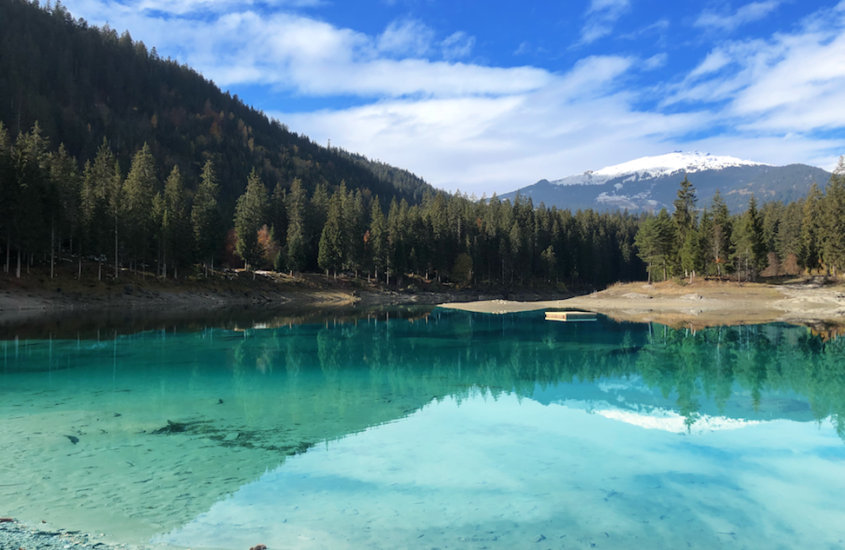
(419, 428)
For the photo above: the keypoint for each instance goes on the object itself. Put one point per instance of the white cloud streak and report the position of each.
(748, 13)
(601, 17)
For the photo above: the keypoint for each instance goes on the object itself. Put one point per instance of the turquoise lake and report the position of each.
(424, 428)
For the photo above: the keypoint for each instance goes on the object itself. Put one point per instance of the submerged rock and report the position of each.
(171, 428)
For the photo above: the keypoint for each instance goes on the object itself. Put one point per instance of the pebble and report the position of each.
(17, 535)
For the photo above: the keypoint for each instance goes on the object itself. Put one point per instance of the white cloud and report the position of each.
(408, 37)
(601, 17)
(457, 45)
(524, 48)
(655, 62)
(485, 128)
(746, 14)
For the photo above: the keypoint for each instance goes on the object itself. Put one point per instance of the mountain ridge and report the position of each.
(650, 183)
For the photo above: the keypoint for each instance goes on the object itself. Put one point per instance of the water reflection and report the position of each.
(168, 423)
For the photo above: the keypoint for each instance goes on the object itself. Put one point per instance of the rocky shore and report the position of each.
(15, 535)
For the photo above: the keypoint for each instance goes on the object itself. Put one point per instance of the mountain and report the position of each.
(651, 183)
(84, 84)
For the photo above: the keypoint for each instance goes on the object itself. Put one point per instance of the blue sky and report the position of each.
(492, 96)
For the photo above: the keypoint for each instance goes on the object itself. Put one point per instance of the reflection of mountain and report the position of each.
(287, 389)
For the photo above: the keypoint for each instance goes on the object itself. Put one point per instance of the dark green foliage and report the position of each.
(333, 246)
(176, 224)
(205, 217)
(85, 84)
(295, 241)
(749, 246)
(250, 216)
(833, 221)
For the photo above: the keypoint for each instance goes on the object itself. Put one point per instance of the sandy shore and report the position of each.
(700, 304)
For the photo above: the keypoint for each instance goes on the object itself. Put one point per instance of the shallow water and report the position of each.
(427, 429)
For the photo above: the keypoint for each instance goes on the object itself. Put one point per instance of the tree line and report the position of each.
(50, 204)
(806, 236)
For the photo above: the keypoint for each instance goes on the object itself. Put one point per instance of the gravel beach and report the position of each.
(21, 536)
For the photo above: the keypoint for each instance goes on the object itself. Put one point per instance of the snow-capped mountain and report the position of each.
(656, 167)
(651, 183)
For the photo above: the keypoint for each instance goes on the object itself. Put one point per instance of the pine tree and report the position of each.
(647, 242)
(684, 215)
(205, 217)
(811, 230)
(137, 204)
(332, 240)
(295, 241)
(65, 177)
(177, 229)
(250, 213)
(7, 193)
(278, 216)
(667, 242)
(833, 221)
(692, 254)
(705, 239)
(378, 238)
(722, 232)
(750, 250)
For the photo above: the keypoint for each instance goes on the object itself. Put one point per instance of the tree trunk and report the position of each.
(99, 271)
(8, 249)
(18, 273)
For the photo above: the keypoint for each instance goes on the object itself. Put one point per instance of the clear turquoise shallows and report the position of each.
(426, 429)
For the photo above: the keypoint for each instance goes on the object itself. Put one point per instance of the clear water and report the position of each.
(426, 429)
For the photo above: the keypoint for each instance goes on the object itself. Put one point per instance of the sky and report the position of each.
(490, 96)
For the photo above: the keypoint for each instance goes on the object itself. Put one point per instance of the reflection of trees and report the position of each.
(755, 359)
(394, 367)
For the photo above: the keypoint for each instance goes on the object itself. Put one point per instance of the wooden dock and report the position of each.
(570, 316)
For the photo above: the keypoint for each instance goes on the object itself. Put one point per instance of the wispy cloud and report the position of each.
(655, 61)
(524, 48)
(746, 14)
(457, 45)
(601, 16)
(408, 37)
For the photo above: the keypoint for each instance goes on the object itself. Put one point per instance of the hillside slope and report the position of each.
(84, 84)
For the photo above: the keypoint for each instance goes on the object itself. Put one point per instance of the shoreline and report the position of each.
(16, 535)
(699, 305)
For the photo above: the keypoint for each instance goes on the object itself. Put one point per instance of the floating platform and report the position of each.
(570, 316)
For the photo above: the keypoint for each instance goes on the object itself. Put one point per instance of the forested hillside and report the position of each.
(114, 159)
(84, 85)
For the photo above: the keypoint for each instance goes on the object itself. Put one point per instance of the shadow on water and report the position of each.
(105, 323)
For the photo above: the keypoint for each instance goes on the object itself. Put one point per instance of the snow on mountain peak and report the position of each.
(657, 166)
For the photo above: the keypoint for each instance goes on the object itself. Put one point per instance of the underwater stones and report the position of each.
(171, 428)
(258, 547)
